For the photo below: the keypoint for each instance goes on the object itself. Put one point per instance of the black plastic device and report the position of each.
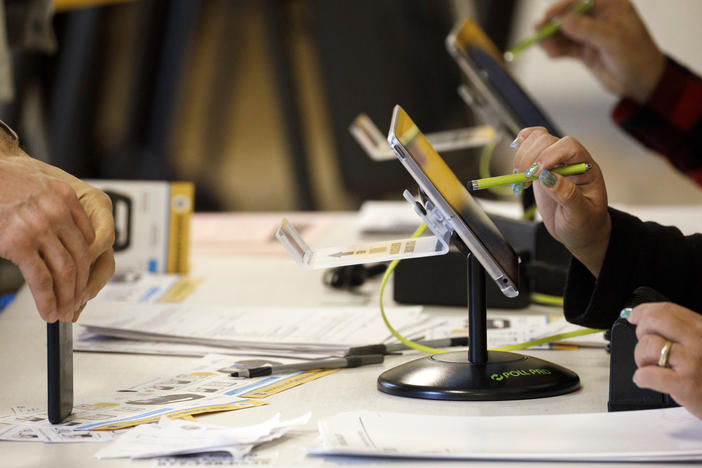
(624, 395)
(59, 354)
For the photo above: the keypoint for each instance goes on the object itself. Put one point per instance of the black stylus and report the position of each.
(331, 363)
(394, 347)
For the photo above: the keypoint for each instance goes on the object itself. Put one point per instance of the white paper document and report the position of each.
(511, 328)
(176, 437)
(200, 388)
(322, 329)
(218, 459)
(670, 434)
(83, 340)
(52, 434)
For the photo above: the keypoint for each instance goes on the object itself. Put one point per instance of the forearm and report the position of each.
(670, 122)
(592, 253)
(639, 254)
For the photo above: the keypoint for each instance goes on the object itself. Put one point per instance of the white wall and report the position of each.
(581, 108)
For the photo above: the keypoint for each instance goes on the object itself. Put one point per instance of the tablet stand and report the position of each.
(375, 144)
(478, 374)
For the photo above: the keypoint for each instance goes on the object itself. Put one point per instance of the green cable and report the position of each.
(546, 299)
(395, 333)
(428, 349)
(484, 169)
(546, 339)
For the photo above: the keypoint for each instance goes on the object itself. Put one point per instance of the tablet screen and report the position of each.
(482, 64)
(471, 216)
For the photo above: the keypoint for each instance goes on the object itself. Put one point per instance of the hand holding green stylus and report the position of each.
(490, 182)
(549, 30)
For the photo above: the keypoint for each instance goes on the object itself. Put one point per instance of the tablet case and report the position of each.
(59, 353)
(624, 395)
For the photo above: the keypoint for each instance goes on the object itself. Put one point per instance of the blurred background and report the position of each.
(252, 99)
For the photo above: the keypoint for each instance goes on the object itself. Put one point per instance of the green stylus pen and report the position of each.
(490, 182)
(550, 29)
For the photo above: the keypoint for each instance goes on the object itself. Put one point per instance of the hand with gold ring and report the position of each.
(669, 352)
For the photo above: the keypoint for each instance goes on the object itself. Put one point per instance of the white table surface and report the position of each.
(269, 280)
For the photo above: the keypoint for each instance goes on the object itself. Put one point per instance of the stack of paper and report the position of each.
(84, 340)
(671, 434)
(294, 330)
(176, 437)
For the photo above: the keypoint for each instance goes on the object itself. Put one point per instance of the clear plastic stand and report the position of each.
(376, 146)
(381, 251)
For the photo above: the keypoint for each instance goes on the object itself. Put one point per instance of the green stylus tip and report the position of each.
(546, 31)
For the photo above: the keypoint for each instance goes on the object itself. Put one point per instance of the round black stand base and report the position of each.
(505, 376)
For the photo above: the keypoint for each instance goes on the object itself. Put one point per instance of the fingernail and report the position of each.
(515, 142)
(548, 178)
(532, 170)
(626, 312)
(517, 188)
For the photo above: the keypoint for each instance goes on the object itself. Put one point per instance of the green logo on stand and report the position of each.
(518, 373)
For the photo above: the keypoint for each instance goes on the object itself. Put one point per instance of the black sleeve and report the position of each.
(639, 254)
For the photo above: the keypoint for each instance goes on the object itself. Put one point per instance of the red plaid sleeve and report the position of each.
(670, 122)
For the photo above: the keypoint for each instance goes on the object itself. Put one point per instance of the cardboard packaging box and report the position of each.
(152, 224)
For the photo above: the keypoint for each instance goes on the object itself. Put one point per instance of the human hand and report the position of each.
(612, 41)
(98, 207)
(573, 208)
(47, 234)
(656, 323)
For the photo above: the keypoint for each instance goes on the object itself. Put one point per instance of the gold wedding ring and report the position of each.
(665, 354)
